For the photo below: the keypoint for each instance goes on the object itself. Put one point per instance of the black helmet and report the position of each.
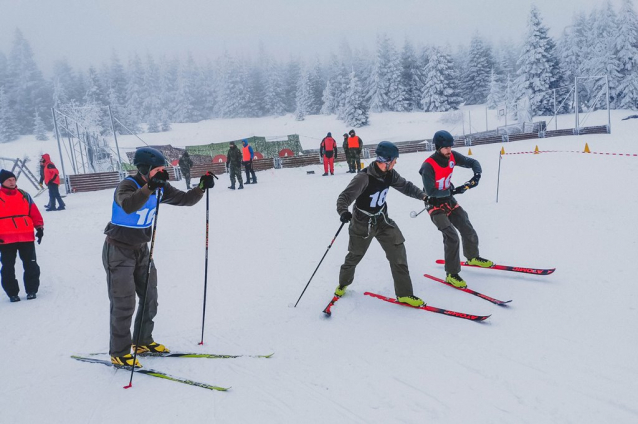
(386, 151)
(443, 139)
(147, 156)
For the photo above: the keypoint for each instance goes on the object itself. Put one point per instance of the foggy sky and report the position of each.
(87, 31)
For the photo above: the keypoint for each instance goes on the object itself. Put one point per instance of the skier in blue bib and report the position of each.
(125, 254)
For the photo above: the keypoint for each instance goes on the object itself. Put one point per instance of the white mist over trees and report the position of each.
(150, 93)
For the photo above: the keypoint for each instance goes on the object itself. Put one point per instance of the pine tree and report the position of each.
(355, 108)
(475, 82)
(495, 96)
(166, 121)
(440, 92)
(8, 127)
(340, 87)
(134, 105)
(25, 86)
(232, 91)
(397, 91)
(329, 101)
(151, 101)
(39, 129)
(274, 93)
(153, 123)
(291, 78)
(627, 47)
(411, 77)
(304, 97)
(317, 84)
(378, 82)
(117, 81)
(169, 71)
(538, 69)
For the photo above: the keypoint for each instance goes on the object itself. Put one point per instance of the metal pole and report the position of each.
(608, 111)
(469, 114)
(498, 179)
(77, 129)
(576, 104)
(71, 148)
(486, 129)
(119, 159)
(205, 266)
(67, 184)
(555, 111)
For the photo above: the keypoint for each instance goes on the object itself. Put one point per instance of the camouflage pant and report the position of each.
(354, 160)
(235, 172)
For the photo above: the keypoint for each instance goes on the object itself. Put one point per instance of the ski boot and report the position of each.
(15, 298)
(152, 349)
(340, 290)
(456, 281)
(125, 361)
(31, 296)
(411, 300)
(325, 174)
(241, 186)
(232, 187)
(478, 261)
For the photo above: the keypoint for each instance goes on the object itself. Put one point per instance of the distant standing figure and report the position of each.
(19, 217)
(233, 166)
(51, 177)
(328, 149)
(346, 151)
(185, 165)
(248, 156)
(355, 144)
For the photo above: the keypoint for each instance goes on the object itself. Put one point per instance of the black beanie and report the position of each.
(5, 175)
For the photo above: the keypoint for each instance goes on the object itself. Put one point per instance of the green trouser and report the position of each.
(126, 271)
(447, 224)
(391, 240)
(235, 172)
(354, 161)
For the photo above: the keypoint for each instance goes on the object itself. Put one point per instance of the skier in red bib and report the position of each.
(445, 212)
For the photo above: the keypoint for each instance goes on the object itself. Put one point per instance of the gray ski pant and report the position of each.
(391, 240)
(448, 226)
(126, 271)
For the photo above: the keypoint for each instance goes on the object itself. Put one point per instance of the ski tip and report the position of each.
(483, 318)
(440, 261)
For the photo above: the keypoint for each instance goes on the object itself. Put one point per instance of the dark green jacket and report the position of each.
(234, 157)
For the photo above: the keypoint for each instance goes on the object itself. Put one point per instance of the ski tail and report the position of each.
(524, 270)
(461, 315)
(328, 308)
(153, 373)
(470, 291)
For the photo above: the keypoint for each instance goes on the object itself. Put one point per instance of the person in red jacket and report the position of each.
(328, 149)
(51, 177)
(19, 217)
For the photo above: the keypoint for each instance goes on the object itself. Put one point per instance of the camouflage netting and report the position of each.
(268, 148)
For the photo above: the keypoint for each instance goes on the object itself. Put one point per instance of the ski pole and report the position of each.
(324, 255)
(498, 180)
(414, 214)
(158, 194)
(205, 267)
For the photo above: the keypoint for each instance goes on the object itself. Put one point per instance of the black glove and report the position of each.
(39, 233)
(474, 180)
(460, 190)
(227, 168)
(346, 217)
(321, 153)
(206, 181)
(158, 180)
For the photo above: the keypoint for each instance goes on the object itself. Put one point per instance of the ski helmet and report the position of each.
(148, 157)
(386, 151)
(443, 139)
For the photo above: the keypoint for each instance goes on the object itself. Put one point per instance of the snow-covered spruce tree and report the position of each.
(304, 98)
(317, 83)
(291, 79)
(39, 129)
(25, 85)
(153, 123)
(329, 101)
(8, 127)
(495, 95)
(355, 109)
(152, 101)
(538, 71)
(475, 81)
(627, 47)
(256, 91)
(166, 121)
(397, 91)
(185, 100)
(274, 92)
(411, 77)
(134, 105)
(440, 92)
(169, 71)
(341, 82)
(378, 82)
(604, 59)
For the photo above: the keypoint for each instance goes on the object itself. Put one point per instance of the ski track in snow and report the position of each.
(560, 352)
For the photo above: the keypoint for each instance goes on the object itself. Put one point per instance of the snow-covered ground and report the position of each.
(562, 352)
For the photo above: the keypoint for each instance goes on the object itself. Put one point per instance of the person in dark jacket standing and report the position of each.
(19, 217)
(185, 165)
(125, 254)
(444, 210)
(369, 219)
(233, 165)
(346, 152)
(355, 147)
(247, 159)
(328, 149)
(51, 177)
